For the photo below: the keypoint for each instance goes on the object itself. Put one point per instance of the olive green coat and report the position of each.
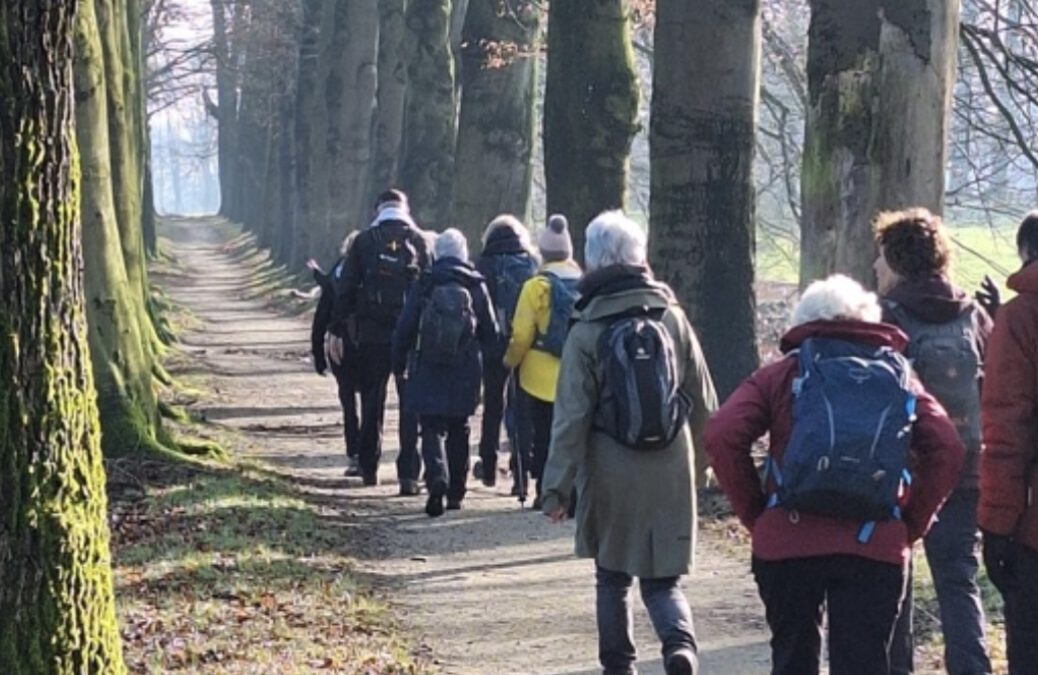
(636, 510)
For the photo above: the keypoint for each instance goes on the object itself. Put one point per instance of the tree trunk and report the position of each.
(122, 361)
(496, 126)
(57, 610)
(880, 79)
(392, 85)
(702, 141)
(350, 96)
(427, 155)
(590, 109)
(296, 240)
(227, 110)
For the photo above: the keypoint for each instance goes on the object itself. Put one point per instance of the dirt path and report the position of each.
(490, 589)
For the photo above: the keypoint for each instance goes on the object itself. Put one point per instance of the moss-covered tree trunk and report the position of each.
(590, 109)
(880, 79)
(350, 96)
(430, 121)
(496, 125)
(702, 141)
(57, 610)
(118, 335)
(392, 85)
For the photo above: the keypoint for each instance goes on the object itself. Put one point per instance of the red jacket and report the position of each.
(1009, 463)
(764, 404)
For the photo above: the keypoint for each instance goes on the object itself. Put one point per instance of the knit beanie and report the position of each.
(554, 240)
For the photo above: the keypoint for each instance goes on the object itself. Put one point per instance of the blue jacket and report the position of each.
(444, 390)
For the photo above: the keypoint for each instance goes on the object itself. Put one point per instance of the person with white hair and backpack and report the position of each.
(860, 458)
(634, 394)
(446, 325)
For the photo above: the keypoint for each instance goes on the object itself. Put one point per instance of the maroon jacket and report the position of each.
(1009, 463)
(764, 404)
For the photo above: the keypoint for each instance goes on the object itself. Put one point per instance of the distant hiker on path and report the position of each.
(844, 413)
(347, 370)
(948, 333)
(446, 323)
(539, 329)
(383, 263)
(1008, 512)
(634, 395)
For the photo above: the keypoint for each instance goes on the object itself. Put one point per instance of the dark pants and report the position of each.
(535, 433)
(1018, 584)
(374, 368)
(862, 596)
(953, 555)
(496, 395)
(668, 609)
(345, 378)
(445, 449)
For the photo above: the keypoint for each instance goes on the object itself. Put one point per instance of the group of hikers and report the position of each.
(911, 415)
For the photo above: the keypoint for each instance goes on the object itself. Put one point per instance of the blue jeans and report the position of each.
(668, 609)
(954, 559)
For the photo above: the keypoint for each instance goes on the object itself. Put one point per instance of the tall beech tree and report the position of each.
(427, 148)
(702, 139)
(57, 609)
(496, 124)
(590, 109)
(880, 78)
(392, 86)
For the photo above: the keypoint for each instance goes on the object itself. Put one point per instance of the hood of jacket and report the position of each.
(620, 288)
(933, 300)
(453, 270)
(1025, 280)
(876, 334)
(504, 241)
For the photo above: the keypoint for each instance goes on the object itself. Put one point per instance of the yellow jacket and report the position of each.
(538, 370)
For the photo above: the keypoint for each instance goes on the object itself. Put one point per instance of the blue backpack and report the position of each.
(847, 456)
(511, 271)
(563, 298)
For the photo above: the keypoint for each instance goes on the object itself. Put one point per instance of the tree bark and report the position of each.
(590, 109)
(119, 345)
(307, 132)
(496, 125)
(880, 80)
(392, 86)
(227, 105)
(427, 154)
(57, 610)
(704, 116)
(350, 96)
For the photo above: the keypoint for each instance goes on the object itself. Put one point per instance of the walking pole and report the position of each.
(517, 450)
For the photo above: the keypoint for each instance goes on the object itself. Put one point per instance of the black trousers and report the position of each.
(445, 449)
(535, 433)
(862, 596)
(374, 368)
(346, 380)
(1018, 584)
(495, 387)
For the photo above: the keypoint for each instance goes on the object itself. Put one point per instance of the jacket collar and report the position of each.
(876, 334)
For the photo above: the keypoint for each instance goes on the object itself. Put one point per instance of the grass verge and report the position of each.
(224, 569)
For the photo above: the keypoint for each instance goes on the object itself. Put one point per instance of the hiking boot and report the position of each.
(434, 505)
(453, 504)
(409, 488)
(680, 662)
(486, 473)
(352, 467)
(370, 479)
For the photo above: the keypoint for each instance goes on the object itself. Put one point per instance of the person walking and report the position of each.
(445, 327)
(1008, 512)
(539, 328)
(629, 449)
(507, 262)
(948, 334)
(382, 265)
(860, 459)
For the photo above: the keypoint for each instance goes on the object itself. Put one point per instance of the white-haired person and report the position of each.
(628, 450)
(507, 262)
(445, 327)
(860, 458)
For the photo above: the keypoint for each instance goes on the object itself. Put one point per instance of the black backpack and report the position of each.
(389, 271)
(448, 324)
(641, 405)
(511, 271)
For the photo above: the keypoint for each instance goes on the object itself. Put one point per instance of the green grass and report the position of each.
(230, 570)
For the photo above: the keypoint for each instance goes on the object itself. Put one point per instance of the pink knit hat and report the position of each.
(554, 240)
